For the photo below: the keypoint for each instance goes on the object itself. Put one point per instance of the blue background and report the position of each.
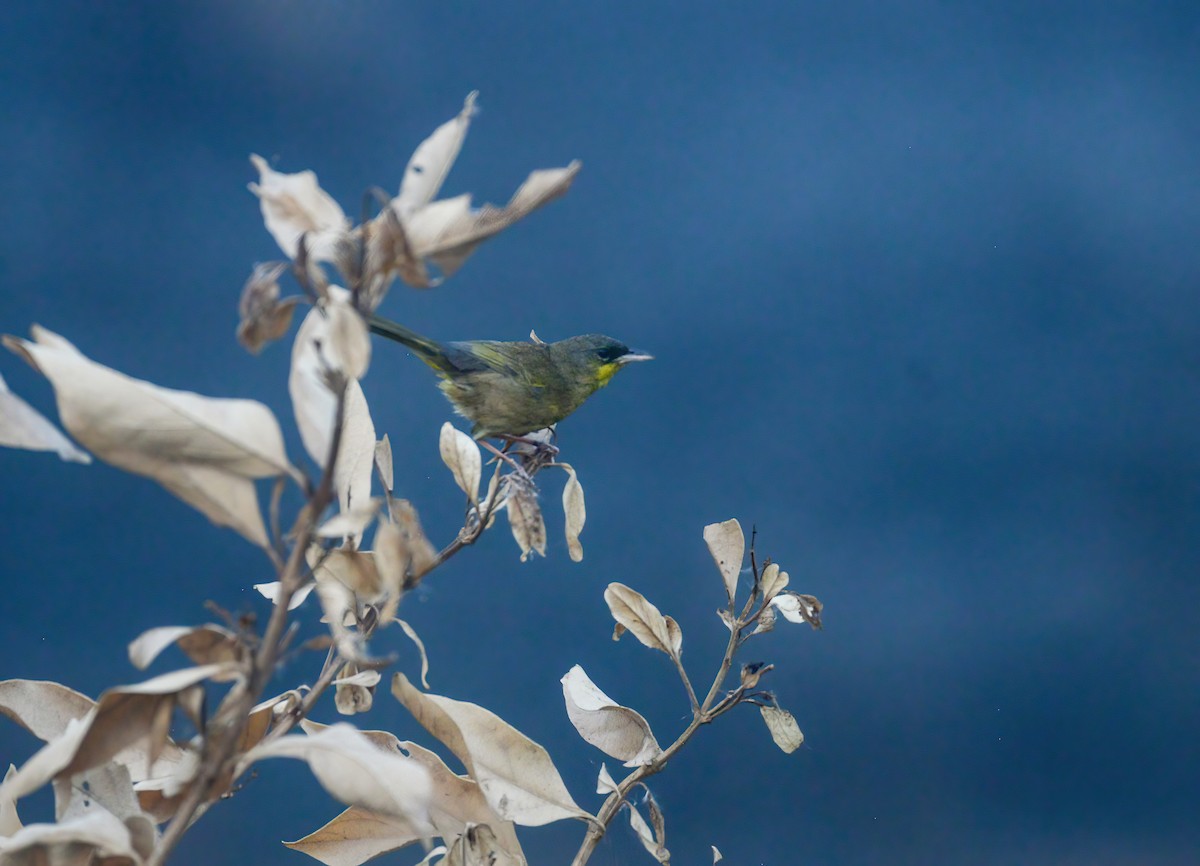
(922, 283)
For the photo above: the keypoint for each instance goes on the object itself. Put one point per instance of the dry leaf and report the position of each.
(717, 855)
(204, 450)
(477, 846)
(575, 512)
(271, 591)
(350, 524)
(617, 731)
(383, 462)
(515, 774)
(447, 231)
(422, 554)
(605, 783)
(799, 608)
(98, 837)
(22, 426)
(294, 205)
(354, 690)
(727, 544)
(263, 317)
(631, 610)
(773, 582)
(10, 821)
(646, 835)
(315, 355)
(357, 772)
(461, 455)
(416, 639)
(391, 557)
(355, 836)
(124, 717)
(432, 161)
(784, 730)
(204, 645)
(525, 517)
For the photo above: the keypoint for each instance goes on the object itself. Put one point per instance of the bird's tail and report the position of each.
(429, 351)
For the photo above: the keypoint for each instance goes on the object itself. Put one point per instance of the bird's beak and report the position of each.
(634, 355)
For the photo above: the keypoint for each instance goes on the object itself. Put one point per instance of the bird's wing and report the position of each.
(486, 355)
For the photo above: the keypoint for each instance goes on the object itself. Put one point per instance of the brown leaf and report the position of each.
(575, 512)
(354, 689)
(525, 517)
(204, 645)
(263, 317)
(355, 836)
(631, 610)
(204, 450)
(515, 773)
(799, 608)
(784, 730)
(318, 352)
(727, 544)
(422, 555)
(294, 205)
(617, 731)
(773, 582)
(461, 455)
(98, 837)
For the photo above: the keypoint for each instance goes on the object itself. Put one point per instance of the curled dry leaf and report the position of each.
(799, 608)
(294, 205)
(204, 645)
(605, 783)
(204, 450)
(263, 317)
(646, 836)
(617, 731)
(461, 455)
(383, 462)
(271, 590)
(515, 774)
(354, 689)
(357, 772)
(416, 639)
(22, 426)
(727, 544)
(316, 353)
(631, 610)
(784, 730)
(773, 582)
(717, 855)
(525, 517)
(574, 511)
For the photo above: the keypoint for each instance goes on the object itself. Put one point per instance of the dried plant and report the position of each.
(127, 785)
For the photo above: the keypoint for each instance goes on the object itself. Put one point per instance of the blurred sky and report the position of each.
(921, 281)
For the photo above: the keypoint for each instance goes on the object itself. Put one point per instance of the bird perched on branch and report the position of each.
(509, 389)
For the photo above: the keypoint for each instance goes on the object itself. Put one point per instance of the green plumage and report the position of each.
(510, 389)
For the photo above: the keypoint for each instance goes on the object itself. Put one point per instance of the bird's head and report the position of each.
(600, 357)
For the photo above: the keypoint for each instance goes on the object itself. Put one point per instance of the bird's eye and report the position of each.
(609, 354)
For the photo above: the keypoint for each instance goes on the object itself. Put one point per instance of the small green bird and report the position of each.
(509, 389)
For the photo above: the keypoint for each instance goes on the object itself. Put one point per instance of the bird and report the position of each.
(509, 389)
